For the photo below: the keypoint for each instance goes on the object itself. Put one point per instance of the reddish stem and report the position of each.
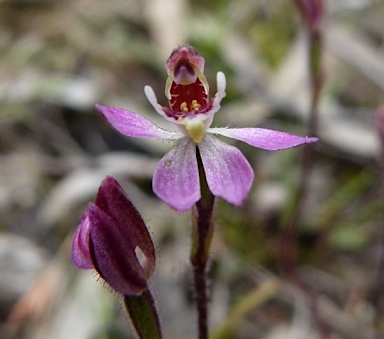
(202, 230)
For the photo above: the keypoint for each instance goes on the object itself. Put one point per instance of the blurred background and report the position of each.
(59, 58)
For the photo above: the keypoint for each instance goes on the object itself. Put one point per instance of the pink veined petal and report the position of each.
(80, 244)
(176, 179)
(134, 125)
(228, 173)
(263, 138)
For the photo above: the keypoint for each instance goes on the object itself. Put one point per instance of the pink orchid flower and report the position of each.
(176, 179)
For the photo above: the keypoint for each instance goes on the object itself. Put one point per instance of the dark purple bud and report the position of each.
(113, 239)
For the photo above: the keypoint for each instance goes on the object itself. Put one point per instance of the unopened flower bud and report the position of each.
(113, 239)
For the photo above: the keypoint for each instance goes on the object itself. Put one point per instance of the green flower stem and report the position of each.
(202, 231)
(288, 250)
(315, 53)
(307, 161)
(142, 312)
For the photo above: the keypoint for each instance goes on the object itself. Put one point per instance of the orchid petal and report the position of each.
(134, 125)
(228, 173)
(80, 244)
(152, 98)
(165, 112)
(176, 179)
(263, 138)
(214, 106)
(221, 85)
